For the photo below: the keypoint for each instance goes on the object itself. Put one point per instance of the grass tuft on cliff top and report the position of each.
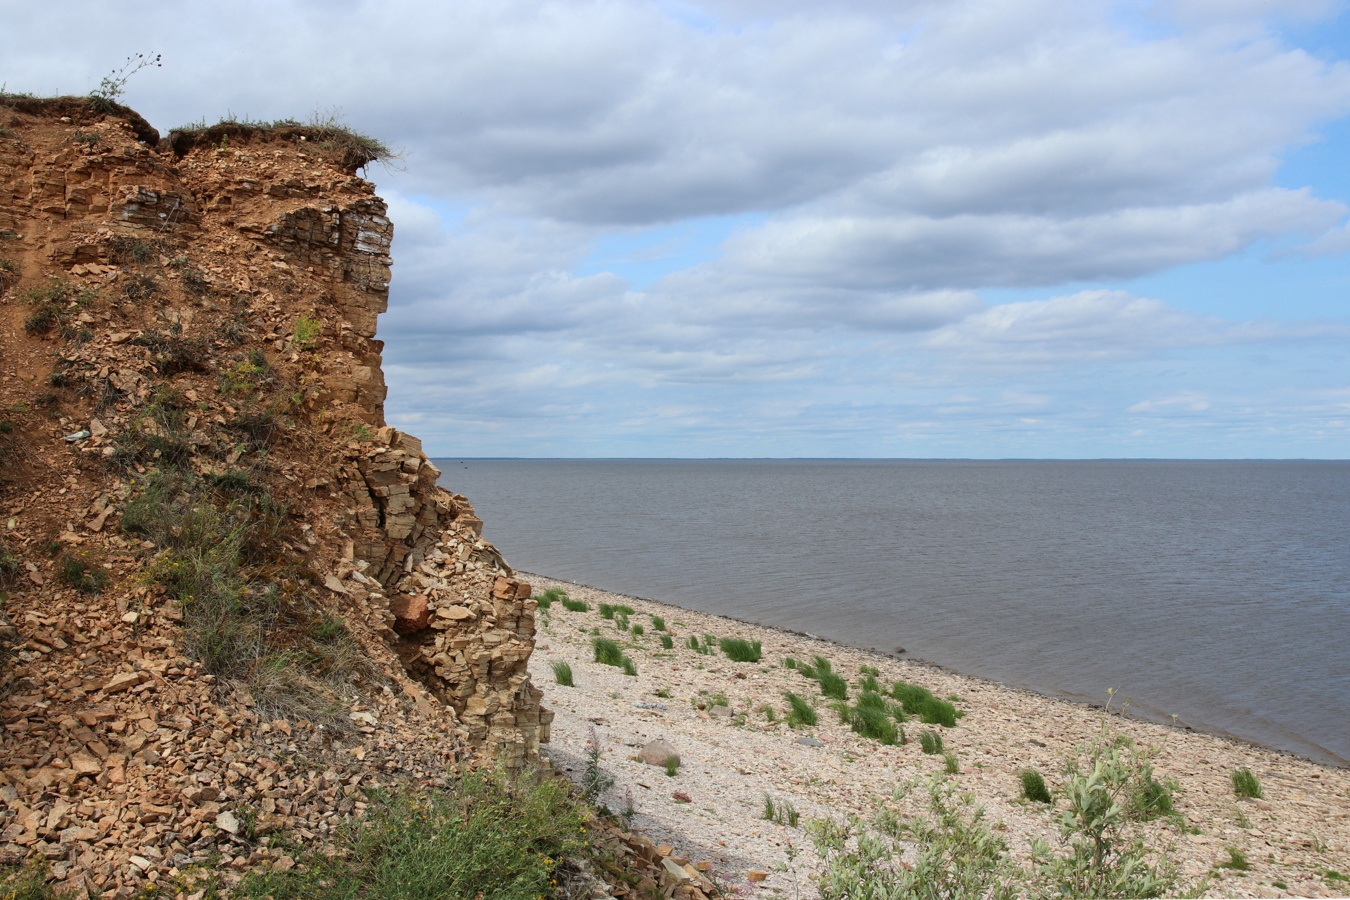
(324, 131)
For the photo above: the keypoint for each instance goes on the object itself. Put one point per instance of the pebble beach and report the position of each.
(727, 722)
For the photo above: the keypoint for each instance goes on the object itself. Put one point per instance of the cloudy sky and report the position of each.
(915, 228)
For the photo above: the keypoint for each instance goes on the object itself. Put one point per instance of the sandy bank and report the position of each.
(1293, 838)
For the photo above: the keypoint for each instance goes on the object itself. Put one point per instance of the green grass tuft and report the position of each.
(573, 605)
(930, 742)
(484, 838)
(562, 673)
(667, 642)
(607, 651)
(739, 650)
(658, 623)
(1246, 784)
(801, 712)
(1033, 786)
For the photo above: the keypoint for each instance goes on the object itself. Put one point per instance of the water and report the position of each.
(1216, 591)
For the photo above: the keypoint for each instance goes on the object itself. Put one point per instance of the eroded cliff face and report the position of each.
(221, 275)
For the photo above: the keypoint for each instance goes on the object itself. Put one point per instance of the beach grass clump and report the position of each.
(562, 673)
(636, 629)
(739, 650)
(705, 647)
(621, 621)
(1033, 786)
(658, 623)
(780, 812)
(550, 597)
(629, 667)
(950, 764)
(869, 683)
(573, 605)
(930, 742)
(832, 685)
(1151, 798)
(800, 711)
(83, 574)
(607, 651)
(672, 766)
(667, 642)
(918, 701)
(1246, 784)
(607, 610)
(789, 662)
(871, 718)
(1237, 860)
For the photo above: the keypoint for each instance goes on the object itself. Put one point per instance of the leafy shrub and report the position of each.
(562, 673)
(305, 331)
(739, 650)
(1246, 784)
(930, 742)
(801, 712)
(483, 838)
(958, 855)
(1033, 786)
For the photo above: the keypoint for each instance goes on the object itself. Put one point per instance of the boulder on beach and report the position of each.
(659, 753)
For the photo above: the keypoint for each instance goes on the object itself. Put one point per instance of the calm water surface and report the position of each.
(1216, 591)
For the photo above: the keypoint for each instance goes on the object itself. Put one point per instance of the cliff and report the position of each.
(233, 593)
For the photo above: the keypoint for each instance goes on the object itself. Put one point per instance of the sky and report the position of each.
(800, 228)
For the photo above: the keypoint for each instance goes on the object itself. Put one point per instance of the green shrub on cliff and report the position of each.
(485, 837)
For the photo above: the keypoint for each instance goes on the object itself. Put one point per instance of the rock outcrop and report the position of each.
(207, 304)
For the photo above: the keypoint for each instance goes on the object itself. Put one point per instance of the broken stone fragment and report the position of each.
(659, 753)
(411, 613)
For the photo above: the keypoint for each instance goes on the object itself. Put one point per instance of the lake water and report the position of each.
(1216, 591)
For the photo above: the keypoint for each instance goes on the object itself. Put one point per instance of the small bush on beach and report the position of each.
(869, 683)
(606, 610)
(1246, 784)
(739, 650)
(562, 673)
(621, 622)
(930, 742)
(637, 630)
(1236, 860)
(573, 605)
(629, 667)
(950, 764)
(705, 648)
(801, 713)
(667, 642)
(658, 623)
(789, 662)
(1033, 786)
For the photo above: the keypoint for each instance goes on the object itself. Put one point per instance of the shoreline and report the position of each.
(1142, 712)
(732, 758)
